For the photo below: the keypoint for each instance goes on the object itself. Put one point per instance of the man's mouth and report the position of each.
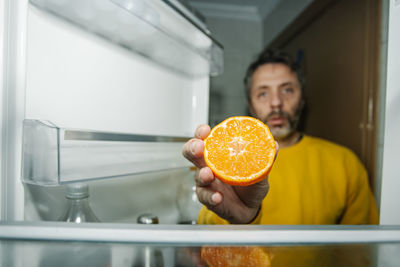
(276, 121)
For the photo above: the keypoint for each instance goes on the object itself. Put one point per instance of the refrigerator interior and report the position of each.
(130, 77)
(77, 77)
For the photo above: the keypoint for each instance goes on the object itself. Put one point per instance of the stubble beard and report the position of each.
(285, 132)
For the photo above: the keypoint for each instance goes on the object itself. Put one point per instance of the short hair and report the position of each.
(274, 56)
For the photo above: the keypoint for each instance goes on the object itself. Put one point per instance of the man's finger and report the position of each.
(193, 151)
(204, 177)
(277, 150)
(208, 197)
(202, 131)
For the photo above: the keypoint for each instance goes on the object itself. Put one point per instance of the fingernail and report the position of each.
(199, 130)
(216, 198)
(193, 147)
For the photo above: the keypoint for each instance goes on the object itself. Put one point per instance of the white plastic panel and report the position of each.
(14, 21)
(78, 80)
(152, 28)
(390, 197)
(2, 65)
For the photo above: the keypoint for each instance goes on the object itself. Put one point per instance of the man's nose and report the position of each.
(276, 100)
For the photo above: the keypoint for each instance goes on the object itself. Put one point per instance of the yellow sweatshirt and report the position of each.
(314, 182)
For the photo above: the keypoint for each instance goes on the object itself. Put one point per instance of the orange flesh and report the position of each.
(240, 150)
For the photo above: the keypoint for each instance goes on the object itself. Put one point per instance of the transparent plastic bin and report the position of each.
(53, 156)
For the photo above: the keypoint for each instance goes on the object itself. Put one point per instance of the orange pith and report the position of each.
(240, 150)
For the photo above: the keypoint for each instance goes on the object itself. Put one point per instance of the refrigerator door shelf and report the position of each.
(150, 28)
(53, 156)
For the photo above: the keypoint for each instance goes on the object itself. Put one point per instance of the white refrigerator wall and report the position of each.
(2, 28)
(14, 18)
(76, 79)
(62, 73)
(390, 197)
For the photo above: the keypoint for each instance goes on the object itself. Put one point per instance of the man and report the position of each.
(313, 181)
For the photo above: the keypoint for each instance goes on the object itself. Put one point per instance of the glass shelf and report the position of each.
(194, 235)
(108, 244)
(150, 28)
(52, 155)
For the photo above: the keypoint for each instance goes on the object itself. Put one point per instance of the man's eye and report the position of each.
(262, 94)
(288, 90)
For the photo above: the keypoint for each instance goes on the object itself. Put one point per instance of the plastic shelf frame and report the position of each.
(54, 156)
(155, 29)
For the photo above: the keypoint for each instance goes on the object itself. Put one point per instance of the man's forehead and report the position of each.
(274, 69)
(274, 74)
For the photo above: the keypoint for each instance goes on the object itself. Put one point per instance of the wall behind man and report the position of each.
(242, 40)
(284, 13)
(244, 30)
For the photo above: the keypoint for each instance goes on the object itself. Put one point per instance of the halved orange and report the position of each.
(236, 256)
(240, 150)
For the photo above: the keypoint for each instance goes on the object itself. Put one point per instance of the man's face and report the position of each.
(275, 98)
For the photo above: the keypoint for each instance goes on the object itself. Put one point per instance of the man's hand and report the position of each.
(236, 204)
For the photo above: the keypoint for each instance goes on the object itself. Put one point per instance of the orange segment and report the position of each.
(240, 150)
